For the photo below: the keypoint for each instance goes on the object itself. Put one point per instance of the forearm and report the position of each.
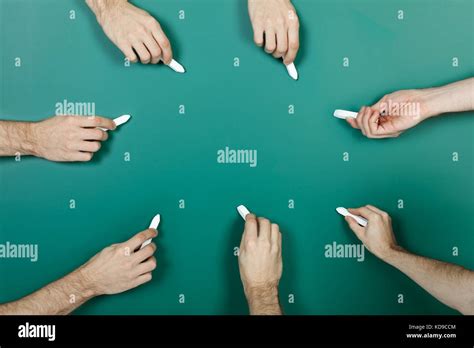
(16, 137)
(101, 6)
(58, 298)
(263, 301)
(454, 97)
(451, 284)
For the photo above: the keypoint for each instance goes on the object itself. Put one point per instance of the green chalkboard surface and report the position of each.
(165, 160)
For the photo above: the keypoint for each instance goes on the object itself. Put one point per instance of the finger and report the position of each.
(376, 210)
(138, 239)
(293, 44)
(365, 121)
(128, 52)
(355, 227)
(373, 122)
(264, 229)
(251, 228)
(93, 134)
(359, 119)
(97, 121)
(270, 41)
(144, 278)
(142, 51)
(276, 236)
(82, 156)
(146, 266)
(89, 146)
(165, 45)
(363, 211)
(381, 105)
(145, 253)
(352, 122)
(258, 36)
(282, 44)
(154, 49)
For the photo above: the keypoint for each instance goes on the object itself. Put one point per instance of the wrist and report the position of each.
(263, 299)
(23, 138)
(391, 254)
(433, 103)
(88, 285)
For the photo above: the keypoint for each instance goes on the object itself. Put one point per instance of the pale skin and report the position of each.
(117, 268)
(451, 284)
(134, 31)
(261, 265)
(399, 111)
(59, 138)
(276, 28)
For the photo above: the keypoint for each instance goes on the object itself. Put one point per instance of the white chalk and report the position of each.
(243, 211)
(176, 66)
(343, 114)
(154, 224)
(291, 68)
(119, 121)
(344, 212)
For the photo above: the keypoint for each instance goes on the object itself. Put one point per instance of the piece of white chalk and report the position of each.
(176, 66)
(344, 212)
(291, 68)
(119, 121)
(154, 224)
(243, 211)
(343, 114)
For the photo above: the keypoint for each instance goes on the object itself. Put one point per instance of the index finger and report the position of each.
(250, 230)
(138, 239)
(162, 39)
(293, 45)
(363, 211)
(97, 121)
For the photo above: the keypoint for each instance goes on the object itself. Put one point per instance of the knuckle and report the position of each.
(250, 244)
(294, 45)
(96, 146)
(88, 156)
(166, 44)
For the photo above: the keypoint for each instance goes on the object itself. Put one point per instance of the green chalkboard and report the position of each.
(173, 155)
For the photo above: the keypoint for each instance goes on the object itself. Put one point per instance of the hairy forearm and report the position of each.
(454, 97)
(451, 284)
(16, 138)
(58, 298)
(101, 6)
(263, 300)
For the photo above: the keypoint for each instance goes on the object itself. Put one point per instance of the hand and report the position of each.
(69, 138)
(276, 23)
(119, 267)
(377, 236)
(260, 265)
(133, 31)
(393, 114)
